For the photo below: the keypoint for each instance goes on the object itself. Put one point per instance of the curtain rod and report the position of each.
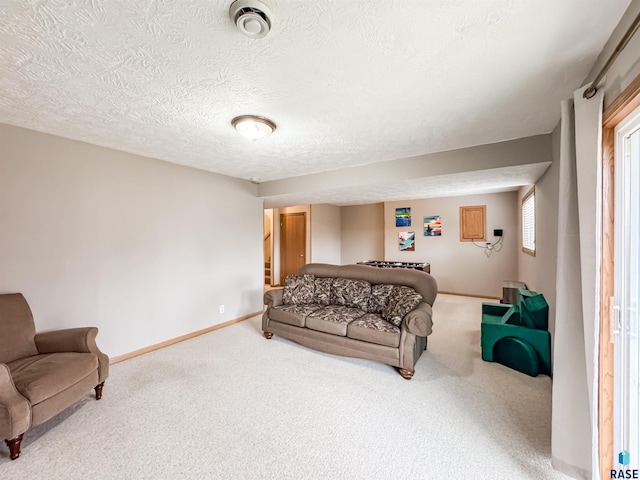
(591, 91)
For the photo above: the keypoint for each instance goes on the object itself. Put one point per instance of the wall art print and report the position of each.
(432, 226)
(403, 217)
(407, 241)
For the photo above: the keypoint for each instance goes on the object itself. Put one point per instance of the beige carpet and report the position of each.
(231, 404)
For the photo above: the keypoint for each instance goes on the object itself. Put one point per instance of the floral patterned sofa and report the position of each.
(355, 310)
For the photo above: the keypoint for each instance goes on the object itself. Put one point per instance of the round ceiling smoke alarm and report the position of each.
(252, 17)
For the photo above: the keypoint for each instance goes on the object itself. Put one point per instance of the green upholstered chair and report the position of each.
(516, 335)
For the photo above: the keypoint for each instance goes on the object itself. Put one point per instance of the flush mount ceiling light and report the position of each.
(253, 127)
(252, 17)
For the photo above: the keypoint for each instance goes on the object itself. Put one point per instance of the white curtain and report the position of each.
(574, 414)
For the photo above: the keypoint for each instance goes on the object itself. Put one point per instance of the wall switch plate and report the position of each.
(221, 308)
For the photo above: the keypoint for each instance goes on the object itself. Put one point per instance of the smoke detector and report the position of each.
(252, 17)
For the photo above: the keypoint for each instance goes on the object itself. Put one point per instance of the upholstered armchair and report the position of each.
(42, 374)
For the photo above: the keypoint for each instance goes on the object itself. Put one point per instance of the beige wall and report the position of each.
(143, 249)
(325, 234)
(362, 233)
(459, 267)
(539, 272)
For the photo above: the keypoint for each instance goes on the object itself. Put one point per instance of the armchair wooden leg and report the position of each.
(406, 373)
(268, 335)
(14, 446)
(98, 389)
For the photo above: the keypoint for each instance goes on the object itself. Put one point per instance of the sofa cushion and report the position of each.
(402, 300)
(379, 297)
(298, 289)
(373, 328)
(322, 294)
(333, 319)
(42, 376)
(351, 293)
(292, 314)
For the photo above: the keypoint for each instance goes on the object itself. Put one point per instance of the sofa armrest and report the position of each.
(273, 297)
(15, 411)
(418, 321)
(81, 340)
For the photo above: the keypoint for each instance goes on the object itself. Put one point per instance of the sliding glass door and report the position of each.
(624, 323)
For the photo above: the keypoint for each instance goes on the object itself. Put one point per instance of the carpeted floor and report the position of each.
(232, 405)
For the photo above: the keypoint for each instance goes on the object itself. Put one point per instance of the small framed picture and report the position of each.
(407, 241)
(432, 226)
(403, 217)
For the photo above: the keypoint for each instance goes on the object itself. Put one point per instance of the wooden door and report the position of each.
(293, 243)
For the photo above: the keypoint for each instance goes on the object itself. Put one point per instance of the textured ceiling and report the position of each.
(348, 82)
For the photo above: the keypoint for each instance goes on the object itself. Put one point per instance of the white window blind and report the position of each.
(529, 222)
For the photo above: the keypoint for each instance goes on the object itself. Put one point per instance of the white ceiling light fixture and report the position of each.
(252, 17)
(253, 127)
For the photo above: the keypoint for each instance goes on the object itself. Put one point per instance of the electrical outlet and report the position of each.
(221, 308)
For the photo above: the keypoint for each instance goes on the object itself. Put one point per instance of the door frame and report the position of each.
(621, 107)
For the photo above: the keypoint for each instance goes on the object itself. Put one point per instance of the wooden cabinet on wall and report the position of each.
(473, 223)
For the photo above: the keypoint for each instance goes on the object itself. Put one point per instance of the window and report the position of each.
(529, 222)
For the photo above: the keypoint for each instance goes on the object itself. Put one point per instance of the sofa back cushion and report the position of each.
(379, 298)
(421, 282)
(351, 293)
(401, 301)
(322, 294)
(17, 330)
(298, 289)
